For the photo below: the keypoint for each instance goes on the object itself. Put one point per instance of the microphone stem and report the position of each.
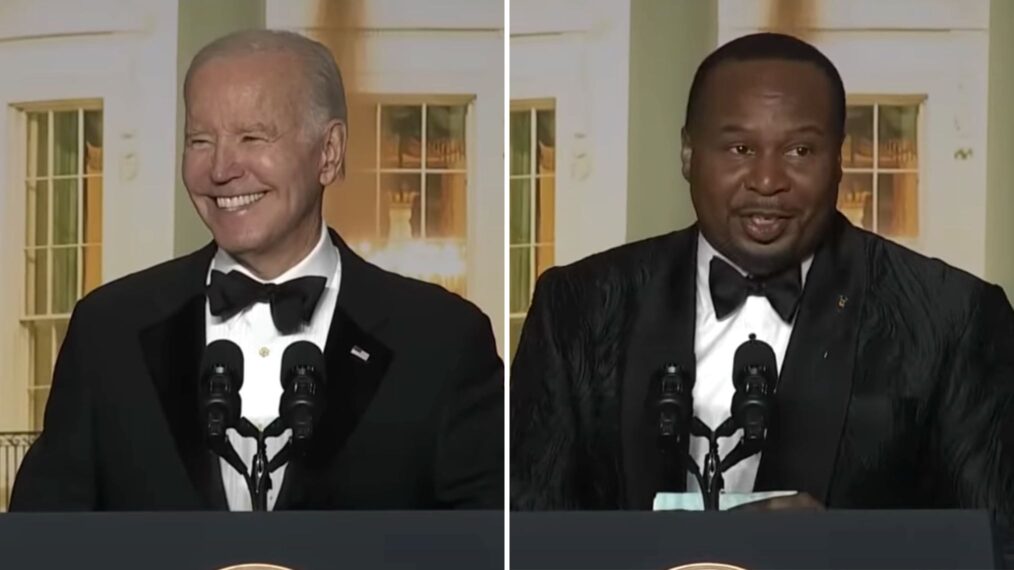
(261, 477)
(712, 475)
(693, 469)
(705, 479)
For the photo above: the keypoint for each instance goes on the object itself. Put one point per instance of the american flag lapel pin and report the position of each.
(360, 354)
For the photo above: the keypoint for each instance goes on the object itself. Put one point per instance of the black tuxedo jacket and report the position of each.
(897, 388)
(418, 425)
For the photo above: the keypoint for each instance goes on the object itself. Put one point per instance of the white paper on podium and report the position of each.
(726, 501)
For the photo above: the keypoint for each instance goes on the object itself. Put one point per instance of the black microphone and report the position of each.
(674, 402)
(218, 391)
(754, 374)
(303, 384)
(670, 404)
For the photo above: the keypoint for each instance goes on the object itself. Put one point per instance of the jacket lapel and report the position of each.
(662, 332)
(356, 361)
(172, 348)
(815, 384)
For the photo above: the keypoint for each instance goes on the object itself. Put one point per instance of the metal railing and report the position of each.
(13, 447)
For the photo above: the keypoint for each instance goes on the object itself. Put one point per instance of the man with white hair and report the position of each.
(413, 396)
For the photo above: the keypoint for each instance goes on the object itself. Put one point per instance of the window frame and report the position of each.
(532, 107)
(875, 101)
(24, 361)
(368, 166)
(376, 103)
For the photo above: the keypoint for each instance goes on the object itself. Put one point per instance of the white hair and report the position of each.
(326, 91)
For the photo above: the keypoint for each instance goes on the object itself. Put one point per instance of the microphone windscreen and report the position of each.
(302, 354)
(754, 353)
(223, 353)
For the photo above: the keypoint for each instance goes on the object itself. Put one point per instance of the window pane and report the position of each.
(39, 399)
(855, 199)
(38, 144)
(521, 142)
(543, 259)
(898, 204)
(400, 206)
(60, 325)
(41, 346)
(521, 211)
(857, 150)
(401, 136)
(93, 142)
(92, 270)
(515, 333)
(64, 279)
(65, 211)
(445, 206)
(546, 209)
(545, 123)
(521, 278)
(92, 209)
(898, 140)
(445, 137)
(36, 278)
(37, 217)
(65, 143)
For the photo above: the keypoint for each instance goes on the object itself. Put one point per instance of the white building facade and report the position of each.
(90, 141)
(927, 124)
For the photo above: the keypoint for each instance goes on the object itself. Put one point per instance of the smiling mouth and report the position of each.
(764, 219)
(233, 203)
(764, 226)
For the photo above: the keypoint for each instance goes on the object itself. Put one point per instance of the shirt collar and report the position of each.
(322, 261)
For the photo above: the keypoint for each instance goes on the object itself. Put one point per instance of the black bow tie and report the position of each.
(292, 302)
(729, 289)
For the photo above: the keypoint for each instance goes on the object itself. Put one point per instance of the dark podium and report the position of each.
(855, 540)
(210, 541)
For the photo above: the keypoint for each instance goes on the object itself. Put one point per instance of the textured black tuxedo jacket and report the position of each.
(418, 425)
(897, 388)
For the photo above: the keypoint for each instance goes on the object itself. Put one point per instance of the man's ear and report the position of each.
(332, 155)
(686, 153)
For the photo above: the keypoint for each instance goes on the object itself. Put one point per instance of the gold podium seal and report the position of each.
(707, 566)
(257, 566)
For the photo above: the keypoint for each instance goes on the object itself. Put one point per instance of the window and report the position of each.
(879, 190)
(63, 239)
(405, 204)
(532, 205)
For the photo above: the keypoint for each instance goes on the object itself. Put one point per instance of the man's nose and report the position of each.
(767, 174)
(225, 166)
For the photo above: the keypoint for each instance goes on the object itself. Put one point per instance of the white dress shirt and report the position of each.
(715, 344)
(262, 345)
